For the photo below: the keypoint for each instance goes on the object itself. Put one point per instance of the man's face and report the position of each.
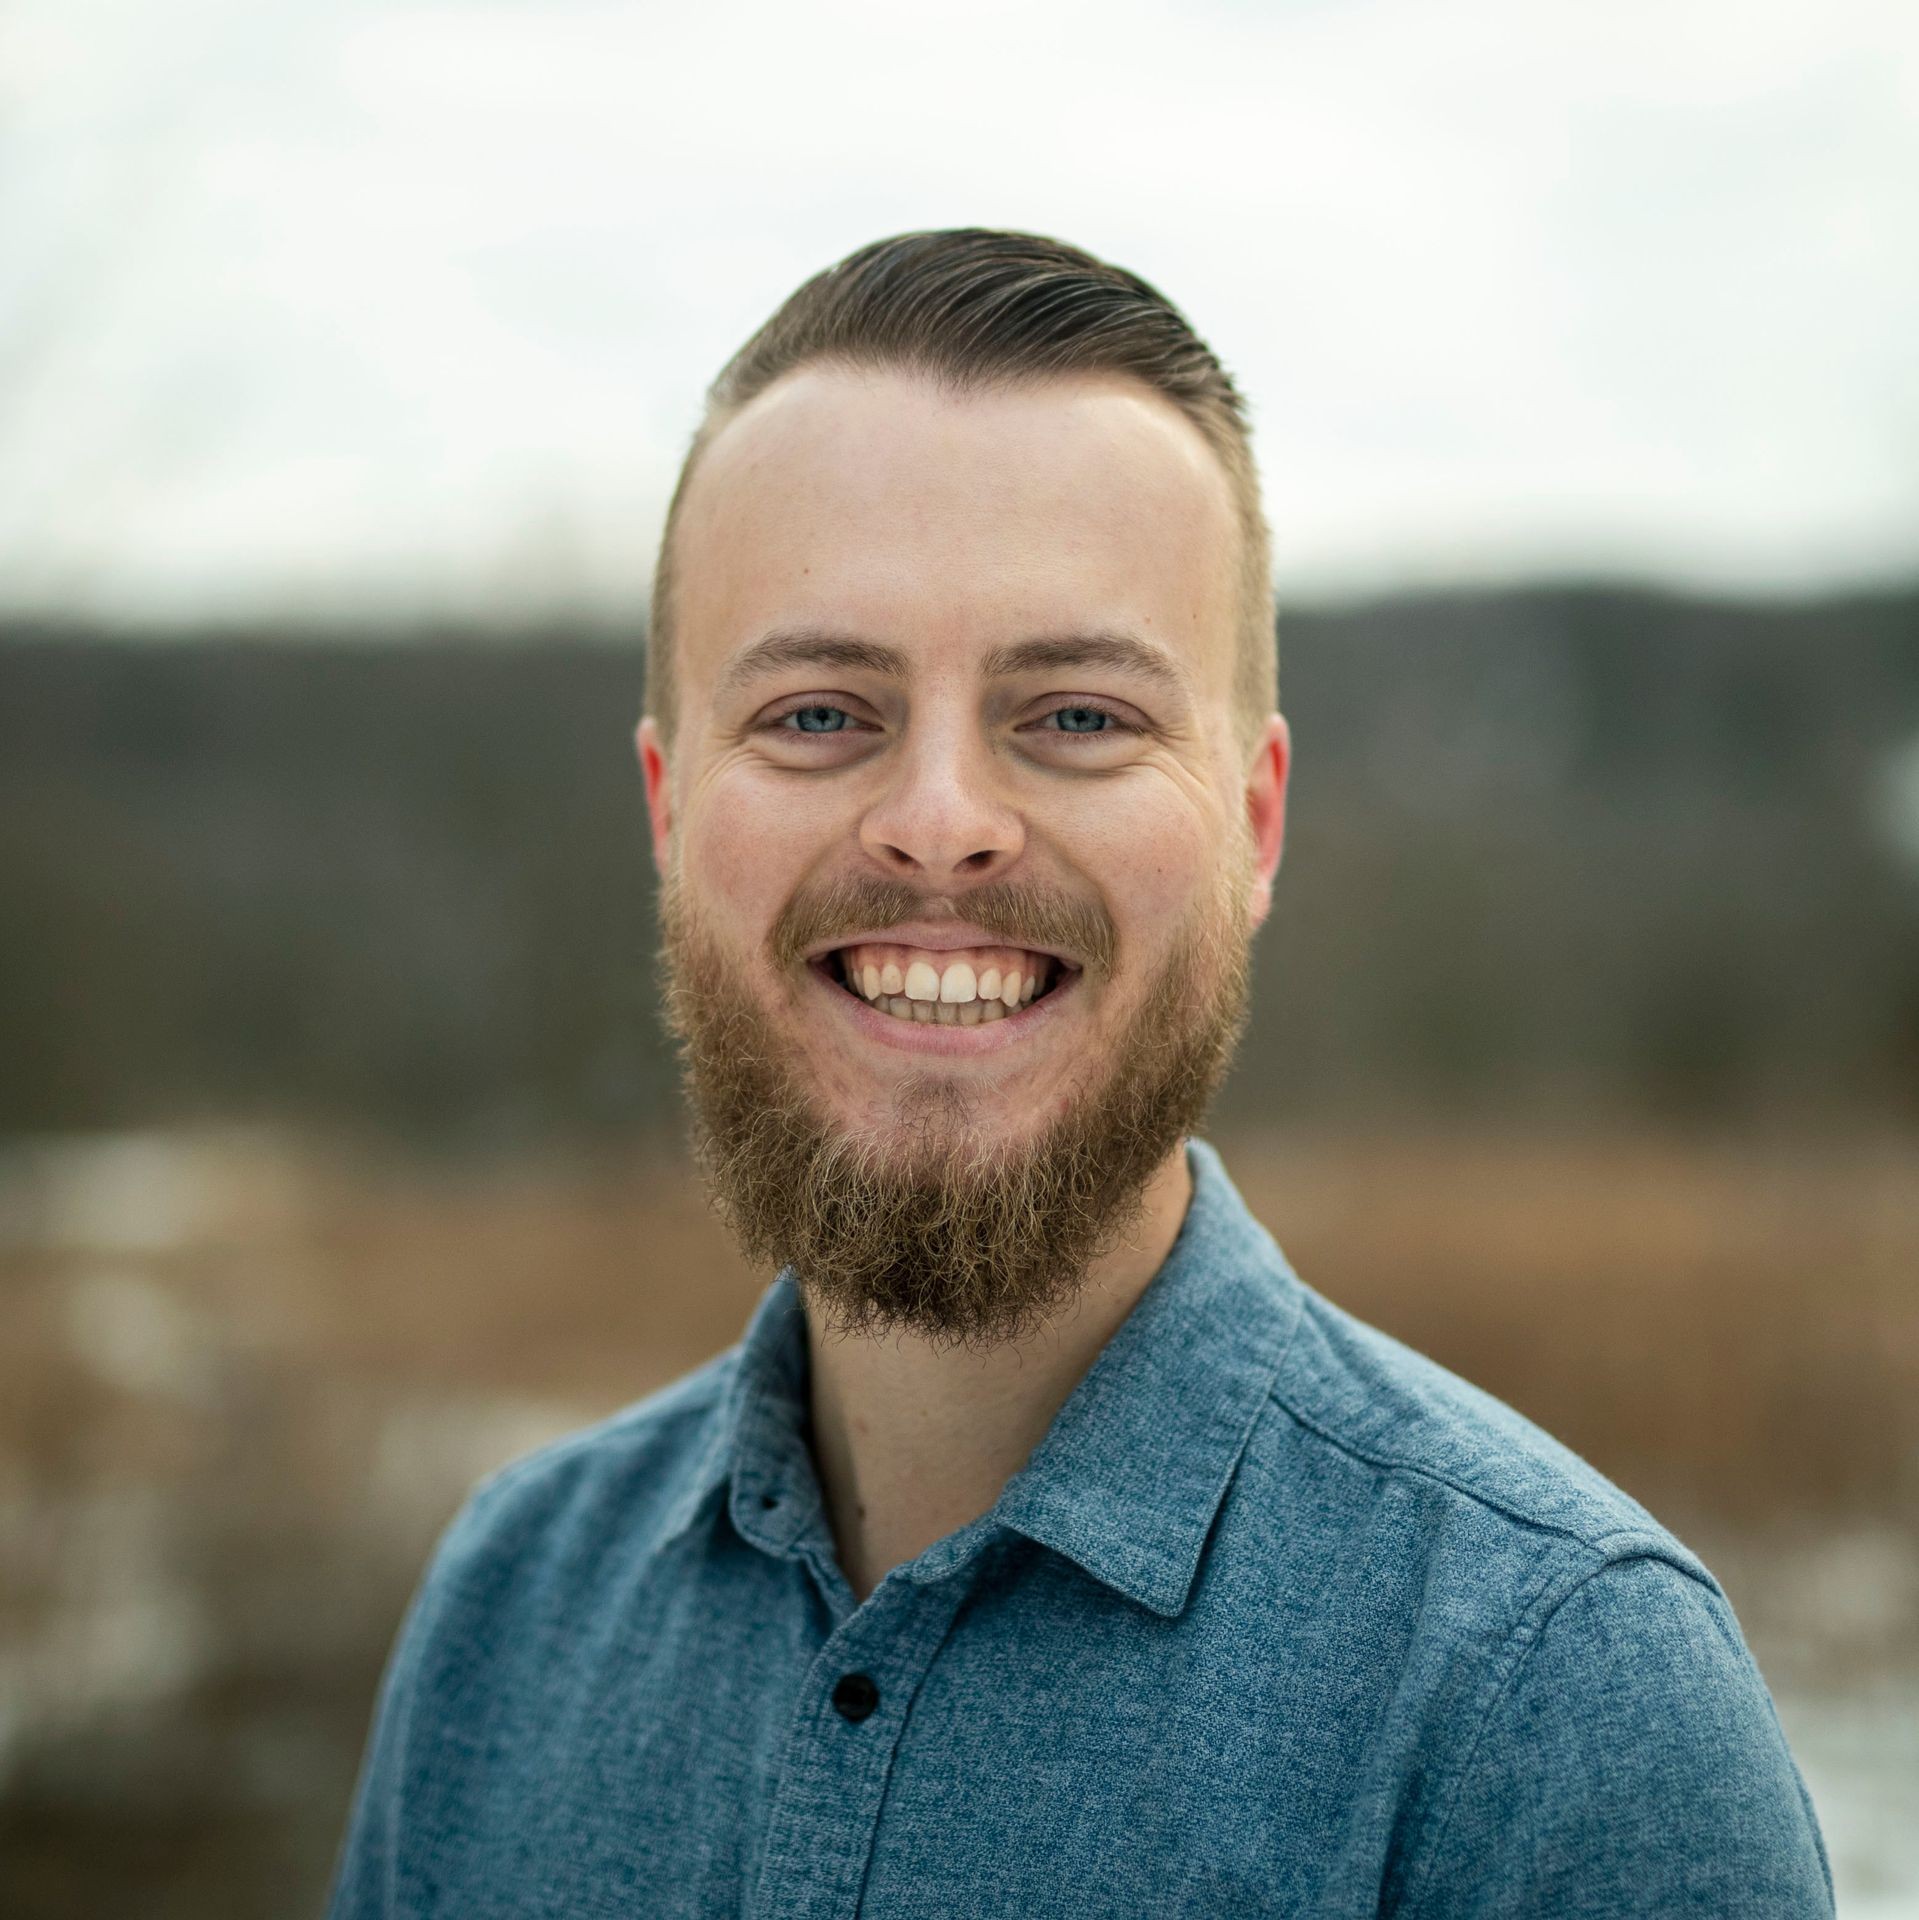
(961, 857)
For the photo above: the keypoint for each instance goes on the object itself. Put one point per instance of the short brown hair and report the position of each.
(973, 307)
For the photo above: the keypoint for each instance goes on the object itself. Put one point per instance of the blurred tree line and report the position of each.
(1583, 852)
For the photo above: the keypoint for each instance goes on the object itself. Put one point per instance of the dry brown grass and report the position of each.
(1734, 1323)
(1729, 1326)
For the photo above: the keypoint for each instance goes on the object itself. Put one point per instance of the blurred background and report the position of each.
(347, 355)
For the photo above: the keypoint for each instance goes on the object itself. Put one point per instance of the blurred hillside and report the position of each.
(1596, 853)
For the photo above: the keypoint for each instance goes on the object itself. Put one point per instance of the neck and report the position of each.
(913, 1442)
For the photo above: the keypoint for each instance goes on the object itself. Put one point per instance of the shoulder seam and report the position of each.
(1662, 1544)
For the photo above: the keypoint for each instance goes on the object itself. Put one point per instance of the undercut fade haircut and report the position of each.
(973, 308)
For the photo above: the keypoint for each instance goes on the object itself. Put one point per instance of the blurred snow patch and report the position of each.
(134, 1335)
(431, 1452)
(130, 1193)
(1859, 1751)
(139, 1193)
(1860, 1587)
(99, 1653)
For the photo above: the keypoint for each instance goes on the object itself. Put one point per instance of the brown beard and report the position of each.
(935, 1230)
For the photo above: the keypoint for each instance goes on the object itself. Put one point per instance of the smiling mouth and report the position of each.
(973, 987)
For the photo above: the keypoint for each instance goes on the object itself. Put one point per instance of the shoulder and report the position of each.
(1590, 1721)
(1360, 1432)
(1396, 1426)
(602, 1495)
(1438, 1523)
(1629, 1760)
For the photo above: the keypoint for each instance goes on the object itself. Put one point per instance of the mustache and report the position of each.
(1016, 915)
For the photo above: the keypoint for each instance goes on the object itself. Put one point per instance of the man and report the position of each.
(1046, 1547)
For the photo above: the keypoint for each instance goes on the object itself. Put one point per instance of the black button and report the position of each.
(856, 1696)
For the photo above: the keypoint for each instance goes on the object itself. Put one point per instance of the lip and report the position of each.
(936, 936)
(952, 1043)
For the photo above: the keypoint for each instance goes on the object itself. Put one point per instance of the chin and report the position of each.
(936, 1125)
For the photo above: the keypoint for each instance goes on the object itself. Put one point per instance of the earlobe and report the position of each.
(1266, 810)
(659, 788)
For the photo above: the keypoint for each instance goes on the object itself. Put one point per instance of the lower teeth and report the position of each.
(944, 1013)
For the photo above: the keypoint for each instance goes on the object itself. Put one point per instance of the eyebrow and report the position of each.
(1121, 652)
(778, 651)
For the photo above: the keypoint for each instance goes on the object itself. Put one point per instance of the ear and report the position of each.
(1266, 809)
(659, 788)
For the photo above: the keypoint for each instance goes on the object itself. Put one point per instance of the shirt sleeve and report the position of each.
(1631, 1764)
(367, 1868)
(364, 1869)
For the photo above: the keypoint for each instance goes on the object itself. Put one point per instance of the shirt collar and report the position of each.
(1132, 1471)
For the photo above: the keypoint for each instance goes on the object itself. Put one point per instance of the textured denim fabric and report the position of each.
(1280, 1618)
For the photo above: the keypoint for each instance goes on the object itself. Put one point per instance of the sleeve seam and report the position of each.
(1528, 1629)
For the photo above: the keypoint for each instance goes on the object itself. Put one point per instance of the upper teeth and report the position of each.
(1008, 976)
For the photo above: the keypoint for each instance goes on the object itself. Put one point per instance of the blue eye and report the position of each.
(817, 719)
(1073, 719)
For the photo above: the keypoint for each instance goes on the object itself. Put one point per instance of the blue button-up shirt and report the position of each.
(1279, 1618)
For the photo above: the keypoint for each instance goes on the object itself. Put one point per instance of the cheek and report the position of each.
(1147, 846)
(751, 847)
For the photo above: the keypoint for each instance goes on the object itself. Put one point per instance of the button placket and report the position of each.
(839, 1749)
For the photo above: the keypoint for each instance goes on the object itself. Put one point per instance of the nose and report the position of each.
(942, 815)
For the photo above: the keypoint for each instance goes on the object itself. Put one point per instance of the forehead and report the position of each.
(876, 503)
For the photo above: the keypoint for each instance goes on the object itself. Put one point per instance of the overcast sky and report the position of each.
(338, 306)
